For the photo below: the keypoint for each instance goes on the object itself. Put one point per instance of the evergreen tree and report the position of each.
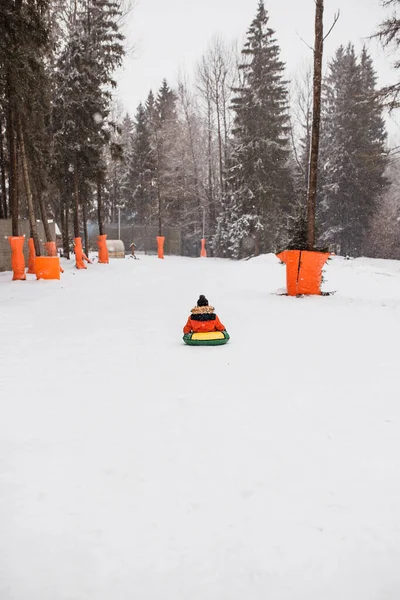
(121, 170)
(164, 146)
(142, 167)
(83, 98)
(259, 180)
(24, 50)
(352, 152)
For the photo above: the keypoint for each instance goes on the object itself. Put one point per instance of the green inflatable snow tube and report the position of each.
(213, 338)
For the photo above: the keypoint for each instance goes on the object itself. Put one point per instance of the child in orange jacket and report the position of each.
(203, 318)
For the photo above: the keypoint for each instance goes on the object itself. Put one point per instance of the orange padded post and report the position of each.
(47, 267)
(303, 271)
(32, 256)
(203, 251)
(79, 264)
(17, 257)
(160, 246)
(292, 260)
(310, 276)
(51, 248)
(103, 250)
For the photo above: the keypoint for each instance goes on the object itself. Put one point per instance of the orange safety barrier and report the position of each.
(79, 264)
(160, 246)
(32, 256)
(17, 257)
(203, 251)
(47, 267)
(103, 250)
(303, 271)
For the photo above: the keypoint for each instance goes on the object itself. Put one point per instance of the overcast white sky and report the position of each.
(171, 35)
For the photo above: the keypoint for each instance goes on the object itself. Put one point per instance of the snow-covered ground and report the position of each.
(133, 467)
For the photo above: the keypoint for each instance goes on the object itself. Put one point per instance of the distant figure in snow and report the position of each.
(132, 247)
(203, 318)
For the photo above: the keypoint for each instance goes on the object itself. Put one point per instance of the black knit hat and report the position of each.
(202, 301)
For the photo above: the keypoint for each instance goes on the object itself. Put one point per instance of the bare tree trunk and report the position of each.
(85, 229)
(62, 221)
(65, 225)
(100, 207)
(13, 167)
(28, 190)
(257, 243)
(159, 211)
(219, 133)
(225, 122)
(313, 172)
(76, 199)
(185, 103)
(3, 203)
(43, 214)
(210, 166)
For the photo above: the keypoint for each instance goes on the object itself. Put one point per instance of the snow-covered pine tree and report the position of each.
(83, 97)
(259, 181)
(351, 153)
(166, 133)
(24, 49)
(119, 171)
(141, 168)
(374, 160)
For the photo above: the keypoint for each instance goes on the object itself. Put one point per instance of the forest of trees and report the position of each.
(232, 146)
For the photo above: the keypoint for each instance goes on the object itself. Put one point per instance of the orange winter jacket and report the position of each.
(203, 319)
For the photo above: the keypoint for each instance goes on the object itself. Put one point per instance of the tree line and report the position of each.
(231, 148)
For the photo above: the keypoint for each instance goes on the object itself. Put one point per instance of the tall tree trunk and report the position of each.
(85, 229)
(28, 189)
(100, 207)
(313, 173)
(159, 210)
(62, 220)
(209, 151)
(13, 167)
(3, 202)
(43, 214)
(76, 199)
(65, 223)
(192, 152)
(219, 133)
(225, 123)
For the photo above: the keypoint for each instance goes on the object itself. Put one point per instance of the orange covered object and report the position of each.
(32, 256)
(17, 257)
(103, 250)
(203, 251)
(79, 264)
(160, 246)
(47, 267)
(292, 259)
(51, 248)
(303, 271)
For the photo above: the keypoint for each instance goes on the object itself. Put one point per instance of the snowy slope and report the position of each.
(133, 467)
